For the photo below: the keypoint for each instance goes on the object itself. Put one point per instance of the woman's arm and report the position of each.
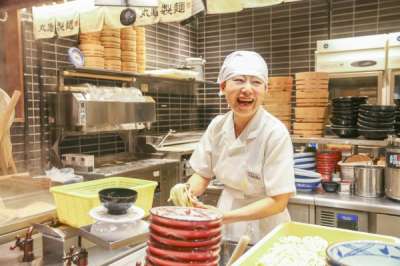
(198, 184)
(257, 210)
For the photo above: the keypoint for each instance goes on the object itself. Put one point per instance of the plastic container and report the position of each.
(332, 235)
(74, 201)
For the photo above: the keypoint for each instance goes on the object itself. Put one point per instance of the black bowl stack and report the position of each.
(397, 124)
(376, 121)
(345, 114)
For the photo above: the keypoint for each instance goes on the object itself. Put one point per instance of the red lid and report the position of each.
(193, 225)
(186, 213)
(165, 262)
(175, 255)
(184, 234)
(182, 243)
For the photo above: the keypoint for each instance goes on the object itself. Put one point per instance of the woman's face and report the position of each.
(244, 94)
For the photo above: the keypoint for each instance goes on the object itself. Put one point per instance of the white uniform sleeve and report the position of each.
(278, 170)
(200, 161)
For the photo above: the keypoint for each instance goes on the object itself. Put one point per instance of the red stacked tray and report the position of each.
(327, 163)
(182, 236)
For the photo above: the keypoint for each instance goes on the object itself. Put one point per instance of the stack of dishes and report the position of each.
(306, 179)
(92, 49)
(184, 236)
(327, 163)
(305, 160)
(141, 49)
(345, 114)
(397, 124)
(376, 121)
(128, 49)
(311, 104)
(110, 39)
(278, 98)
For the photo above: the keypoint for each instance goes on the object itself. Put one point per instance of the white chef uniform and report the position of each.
(257, 164)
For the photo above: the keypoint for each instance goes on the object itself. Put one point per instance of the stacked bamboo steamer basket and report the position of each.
(312, 96)
(128, 49)
(92, 49)
(111, 41)
(141, 49)
(278, 98)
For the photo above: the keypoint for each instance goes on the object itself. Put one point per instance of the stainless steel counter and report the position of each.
(350, 202)
(115, 170)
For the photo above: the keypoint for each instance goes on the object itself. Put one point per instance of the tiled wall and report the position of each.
(168, 45)
(285, 35)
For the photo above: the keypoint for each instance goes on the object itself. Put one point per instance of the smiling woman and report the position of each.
(248, 150)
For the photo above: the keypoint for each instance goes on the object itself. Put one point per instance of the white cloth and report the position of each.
(257, 164)
(243, 63)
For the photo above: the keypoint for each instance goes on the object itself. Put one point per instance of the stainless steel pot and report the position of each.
(392, 171)
(369, 181)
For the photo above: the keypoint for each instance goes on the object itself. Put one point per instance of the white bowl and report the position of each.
(304, 160)
(304, 155)
(306, 173)
(307, 180)
(305, 166)
(113, 231)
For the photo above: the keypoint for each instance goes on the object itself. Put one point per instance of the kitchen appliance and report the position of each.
(345, 219)
(392, 171)
(88, 108)
(394, 50)
(356, 66)
(366, 53)
(369, 181)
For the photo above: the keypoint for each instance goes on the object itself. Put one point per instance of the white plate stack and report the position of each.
(278, 99)
(311, 104)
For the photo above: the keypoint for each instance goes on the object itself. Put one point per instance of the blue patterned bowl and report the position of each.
(363, 252)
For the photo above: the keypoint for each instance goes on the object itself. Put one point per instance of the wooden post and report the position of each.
(13, 61)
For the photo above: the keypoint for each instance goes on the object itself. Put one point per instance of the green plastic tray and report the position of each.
(332, 235)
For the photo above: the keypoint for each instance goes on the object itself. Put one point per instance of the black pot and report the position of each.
(374, 119)
(377, 114)
(344, 99)
(117, 200)
(340, 105)
(377, 125)
(345, 132)
(375, 133)
(360, 99)
(343, 122)
(344, 112)
(349, 117)
(378, 108)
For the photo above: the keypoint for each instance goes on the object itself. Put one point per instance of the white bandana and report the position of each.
(243, 63)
